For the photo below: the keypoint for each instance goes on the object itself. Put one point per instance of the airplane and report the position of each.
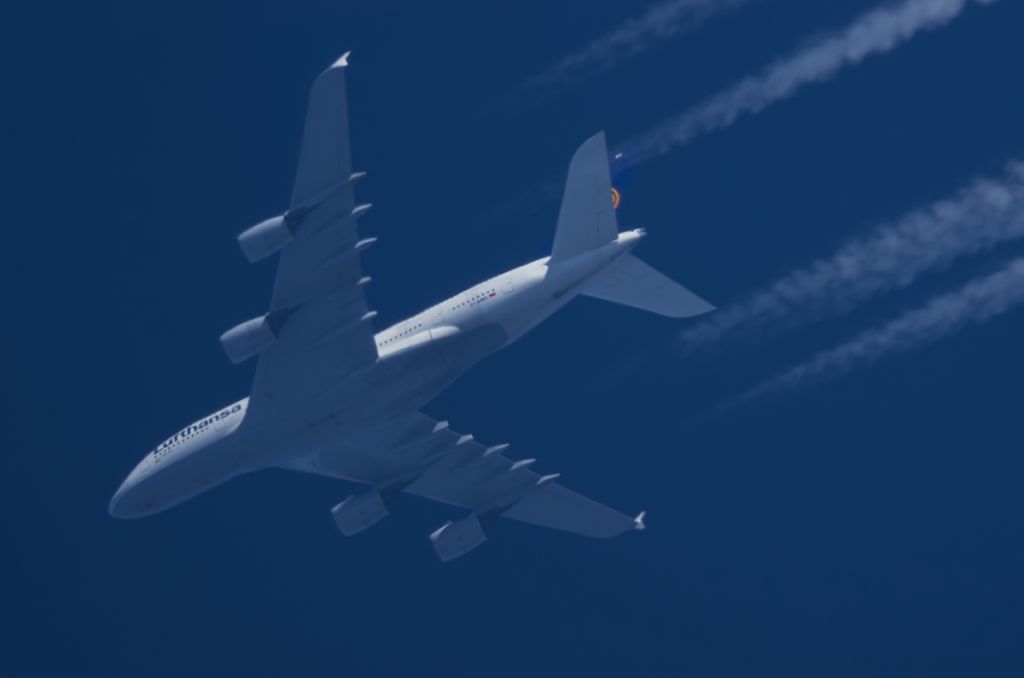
(333, 398)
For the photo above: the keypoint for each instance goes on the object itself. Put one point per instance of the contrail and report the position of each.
(662, 22)
(976, 302)
(877, 32)
(982, 215)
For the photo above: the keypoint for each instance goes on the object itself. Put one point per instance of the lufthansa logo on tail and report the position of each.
(616, 198)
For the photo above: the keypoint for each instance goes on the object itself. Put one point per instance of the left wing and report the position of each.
(318, 328)
(425, 457)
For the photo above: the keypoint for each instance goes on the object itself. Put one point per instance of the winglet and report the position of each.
(343, 61)
(638, 522)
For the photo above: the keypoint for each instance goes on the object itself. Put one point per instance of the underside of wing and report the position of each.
(421, 456)
(318, 328)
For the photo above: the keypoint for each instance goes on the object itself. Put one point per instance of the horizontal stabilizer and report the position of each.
(631, 282)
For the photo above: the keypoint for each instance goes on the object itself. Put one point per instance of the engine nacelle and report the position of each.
(250, 338)
(456, 539)
(359, 512)
(266, 238)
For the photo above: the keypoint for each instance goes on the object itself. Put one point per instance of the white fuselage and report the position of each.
(418, 358)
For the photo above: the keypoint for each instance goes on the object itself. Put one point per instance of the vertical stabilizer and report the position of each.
(587, 217)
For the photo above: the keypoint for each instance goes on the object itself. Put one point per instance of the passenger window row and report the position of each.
(404, 333)
(476, 297)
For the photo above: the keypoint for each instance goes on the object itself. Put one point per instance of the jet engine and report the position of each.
(269, 237)
(456, 539)
(359, 512)
(252, 337)
(266, 238)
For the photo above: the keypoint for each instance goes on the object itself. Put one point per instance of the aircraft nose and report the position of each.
(125, 502)
(132, 499)
(117, 503)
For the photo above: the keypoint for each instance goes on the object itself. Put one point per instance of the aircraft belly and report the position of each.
(397, 386)
(406, 381)
(409, 380)
(536, 306)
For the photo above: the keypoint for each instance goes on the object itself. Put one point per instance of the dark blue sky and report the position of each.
(870, 526)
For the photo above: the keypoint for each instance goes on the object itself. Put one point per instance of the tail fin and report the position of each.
(587, 218)
(631, 282)
(587, 221)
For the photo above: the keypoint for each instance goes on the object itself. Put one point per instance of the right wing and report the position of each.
(480, 478)
(425, 457)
